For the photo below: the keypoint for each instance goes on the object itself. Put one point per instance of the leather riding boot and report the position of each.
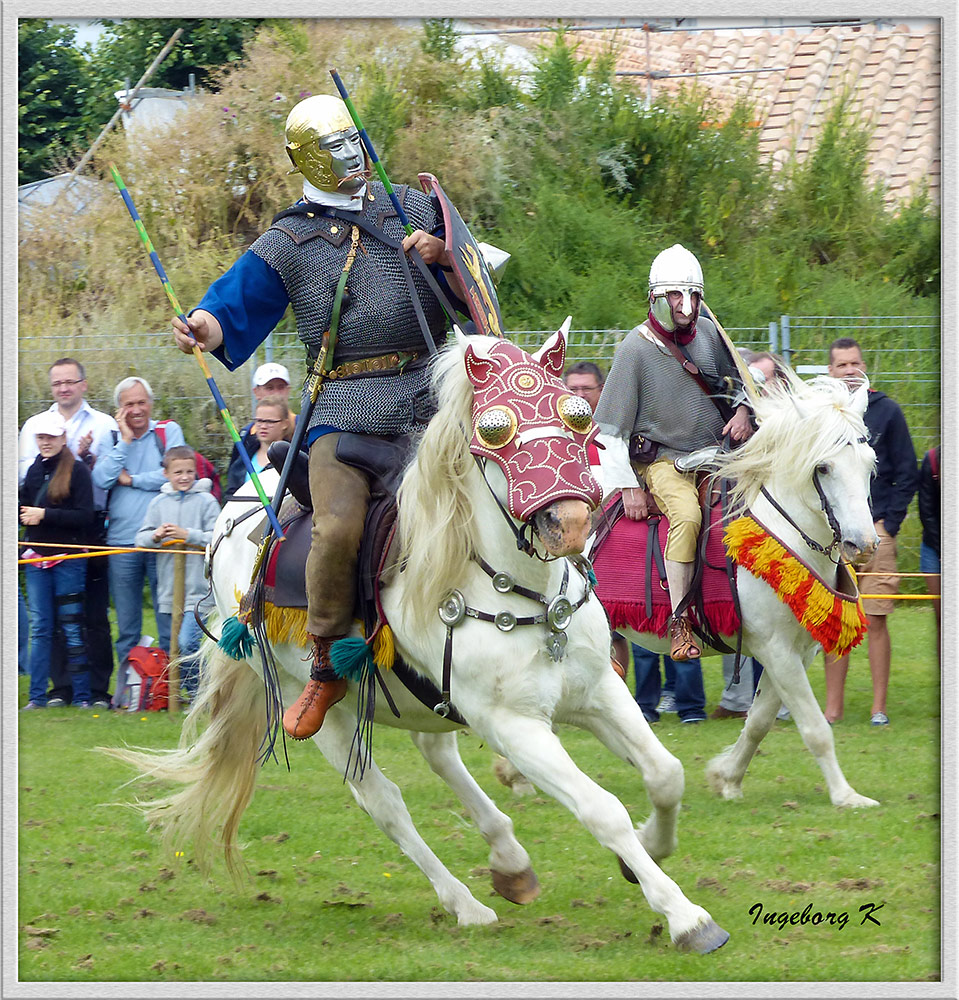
(305, 716)
(679, 576)
(683, 644)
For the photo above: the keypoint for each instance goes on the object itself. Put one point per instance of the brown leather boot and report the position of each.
(305, 716)
(683, 645)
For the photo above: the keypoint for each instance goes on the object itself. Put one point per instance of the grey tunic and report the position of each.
(648, 392)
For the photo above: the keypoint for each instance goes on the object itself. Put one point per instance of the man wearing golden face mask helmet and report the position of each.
(369, 321)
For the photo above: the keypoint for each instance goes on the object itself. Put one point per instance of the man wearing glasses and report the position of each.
(88, 430)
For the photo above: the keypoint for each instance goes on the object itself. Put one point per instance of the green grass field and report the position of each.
(329, 899)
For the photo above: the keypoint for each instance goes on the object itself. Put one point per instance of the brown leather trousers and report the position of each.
(341, 496)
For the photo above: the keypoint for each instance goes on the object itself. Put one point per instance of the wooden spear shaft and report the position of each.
(151, 69)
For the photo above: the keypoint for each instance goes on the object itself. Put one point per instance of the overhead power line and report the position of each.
(655, 28)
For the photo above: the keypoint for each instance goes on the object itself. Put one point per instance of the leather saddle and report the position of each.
(383, 460)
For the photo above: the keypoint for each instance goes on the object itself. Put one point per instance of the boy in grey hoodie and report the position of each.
(183, 512)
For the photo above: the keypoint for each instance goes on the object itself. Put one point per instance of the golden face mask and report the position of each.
(323, 144)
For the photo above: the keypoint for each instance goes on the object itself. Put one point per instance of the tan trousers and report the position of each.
(341, 496)
(676, 494)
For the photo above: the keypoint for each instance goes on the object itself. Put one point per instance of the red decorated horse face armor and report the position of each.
(526, 421)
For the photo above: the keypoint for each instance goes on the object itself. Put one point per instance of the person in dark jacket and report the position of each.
(893, 487)
(929, 553)
(56, 506)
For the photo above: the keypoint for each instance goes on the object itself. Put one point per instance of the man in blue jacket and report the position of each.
(893, 486)
(132, 470)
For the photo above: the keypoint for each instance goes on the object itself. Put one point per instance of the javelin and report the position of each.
(404, 218)
(197, 353)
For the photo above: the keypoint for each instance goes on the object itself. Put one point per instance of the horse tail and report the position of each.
(218, 766)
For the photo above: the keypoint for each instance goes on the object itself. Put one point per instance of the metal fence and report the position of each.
(902, 354)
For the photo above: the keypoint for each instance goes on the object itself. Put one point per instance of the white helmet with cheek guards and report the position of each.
(675, 269)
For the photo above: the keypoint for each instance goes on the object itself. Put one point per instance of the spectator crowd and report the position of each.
(129, 480)
(124, 481)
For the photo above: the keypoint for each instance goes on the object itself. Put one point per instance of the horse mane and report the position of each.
(435, 511)
(800, 425)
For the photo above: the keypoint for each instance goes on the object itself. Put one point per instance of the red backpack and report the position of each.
(205, 469)
(152, 694)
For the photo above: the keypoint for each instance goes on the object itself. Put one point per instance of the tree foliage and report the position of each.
(66, 92)
(53, 86)
(563, 165)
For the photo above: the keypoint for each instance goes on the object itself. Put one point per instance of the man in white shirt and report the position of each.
(88, 431)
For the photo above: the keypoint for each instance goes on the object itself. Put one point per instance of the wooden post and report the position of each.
(131, 94)
(179, 595)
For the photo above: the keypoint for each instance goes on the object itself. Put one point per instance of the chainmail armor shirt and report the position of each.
(298, 261)
(648, 392)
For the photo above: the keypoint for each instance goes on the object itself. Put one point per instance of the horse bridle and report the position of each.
(826, 550)
(523, 543)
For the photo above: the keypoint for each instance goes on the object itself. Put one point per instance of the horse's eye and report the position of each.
(576, 413)
(496, 426)
(822, 468)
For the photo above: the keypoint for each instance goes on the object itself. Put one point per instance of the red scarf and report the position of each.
(677, 337)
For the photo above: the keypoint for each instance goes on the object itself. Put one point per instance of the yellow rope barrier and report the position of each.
(90, 551)
(900, 597)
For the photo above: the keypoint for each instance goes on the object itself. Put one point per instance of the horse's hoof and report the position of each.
(628, 873)
(703, 939)
(857, 801)
(520, 888)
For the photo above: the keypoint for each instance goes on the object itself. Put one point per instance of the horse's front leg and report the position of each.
(534, 748)
(725, 772)
(513, 877)
(789, 677)
(784, 681)
(382, 801)
(618, 722)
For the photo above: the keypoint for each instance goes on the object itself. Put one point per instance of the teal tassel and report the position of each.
(592, 576)
(236, 639)
(351, 658)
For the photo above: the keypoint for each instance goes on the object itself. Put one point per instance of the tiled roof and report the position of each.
(892, 75)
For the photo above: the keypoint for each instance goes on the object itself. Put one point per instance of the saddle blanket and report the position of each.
(620, 567)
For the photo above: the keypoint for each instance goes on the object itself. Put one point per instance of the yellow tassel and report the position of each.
(285, 625)
(384, 648)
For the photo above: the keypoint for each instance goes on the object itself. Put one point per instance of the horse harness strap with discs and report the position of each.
(558, 614)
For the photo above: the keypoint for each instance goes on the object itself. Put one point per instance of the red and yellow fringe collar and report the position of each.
(834, 619)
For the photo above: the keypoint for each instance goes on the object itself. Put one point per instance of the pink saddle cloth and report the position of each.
(620, 561)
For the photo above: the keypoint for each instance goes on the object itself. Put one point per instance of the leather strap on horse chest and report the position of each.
(558, 614)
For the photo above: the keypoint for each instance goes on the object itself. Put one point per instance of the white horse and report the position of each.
(499, 484)
(804, 475)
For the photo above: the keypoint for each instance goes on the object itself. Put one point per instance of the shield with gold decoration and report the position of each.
(468, 263)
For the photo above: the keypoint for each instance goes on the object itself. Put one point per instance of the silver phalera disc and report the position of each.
(505, 621)
(559, 613)
(503, 583)
(452, 609)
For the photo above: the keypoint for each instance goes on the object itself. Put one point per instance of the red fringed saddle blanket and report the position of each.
(620, 562)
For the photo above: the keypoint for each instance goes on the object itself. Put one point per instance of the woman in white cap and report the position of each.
(56, 506)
